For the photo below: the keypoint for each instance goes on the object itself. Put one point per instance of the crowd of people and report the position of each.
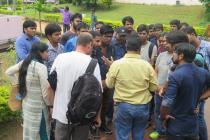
(144, 73)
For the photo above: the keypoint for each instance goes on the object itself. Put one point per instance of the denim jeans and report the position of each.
(131, 118)
(158, 122)
(190, 137)
(203, 133)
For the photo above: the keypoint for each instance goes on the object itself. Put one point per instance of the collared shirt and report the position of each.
(97, 54)
(67, 73)
(23, 46)
(119, 50)
(53, 53)
(133, 79)
(71, 44)
(204, 49)
(66, 16)
(185, 87)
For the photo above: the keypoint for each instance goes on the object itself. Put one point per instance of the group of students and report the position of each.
(136, 69)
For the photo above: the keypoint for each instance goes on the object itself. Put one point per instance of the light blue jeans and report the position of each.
(131, 118)
(158, 122)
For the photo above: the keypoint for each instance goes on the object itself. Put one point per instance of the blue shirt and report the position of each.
(97, 54)
(52, 54)
(185, 87)
(23, 46)
(204, 49)
(119, 50)
(71, 44)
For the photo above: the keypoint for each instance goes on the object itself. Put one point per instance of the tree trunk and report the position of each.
(40, 25)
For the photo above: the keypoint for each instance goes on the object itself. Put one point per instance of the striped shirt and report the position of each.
(53, 53)
(204, 49)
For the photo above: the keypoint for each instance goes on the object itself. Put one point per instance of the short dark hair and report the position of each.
(106, 29)
(84, 39)
(189, 30)
(151, 27)
(82, 25)
(52, 28)
(158, 26)
(184, 24)
(175, 22)
(127, 18)
(28, 23)
(142, 27)
(163, 34)
(175, 37)
(99, 22)
(187, 50)
(76, 15)
(133, 42)
(94, 34)
(67, 8)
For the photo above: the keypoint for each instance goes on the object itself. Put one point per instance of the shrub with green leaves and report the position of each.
(5, 113)
(6, 12)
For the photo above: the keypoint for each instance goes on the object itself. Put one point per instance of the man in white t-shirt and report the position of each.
(69, 67)
(145, 48)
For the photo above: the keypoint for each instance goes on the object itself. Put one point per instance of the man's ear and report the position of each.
(181, 56)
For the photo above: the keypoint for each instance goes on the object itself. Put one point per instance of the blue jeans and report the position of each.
(203, 133)
(158, 121)
(131, 118)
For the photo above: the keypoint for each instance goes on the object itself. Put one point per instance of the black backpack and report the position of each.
(86, 98)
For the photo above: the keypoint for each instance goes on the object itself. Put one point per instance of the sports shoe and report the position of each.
(154, 135)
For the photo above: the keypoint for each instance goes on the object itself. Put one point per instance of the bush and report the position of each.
(5, 113)
(6, 12)
(52, 17)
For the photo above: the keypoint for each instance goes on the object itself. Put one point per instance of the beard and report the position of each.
(74, 26)
(175, 61)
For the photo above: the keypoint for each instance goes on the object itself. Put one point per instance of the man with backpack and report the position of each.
(148, 50)
(75, 70)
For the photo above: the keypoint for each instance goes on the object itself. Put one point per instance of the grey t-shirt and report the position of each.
(145, 52)
(163, 65)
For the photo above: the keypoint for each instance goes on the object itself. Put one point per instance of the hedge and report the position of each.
(5, 113)
(58, 18)
(6, 12)
(51, 18)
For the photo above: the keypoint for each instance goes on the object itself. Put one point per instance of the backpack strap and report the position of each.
(91, 67)
(151, 46)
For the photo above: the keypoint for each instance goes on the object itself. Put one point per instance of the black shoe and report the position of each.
(106, 130)
(94, 131)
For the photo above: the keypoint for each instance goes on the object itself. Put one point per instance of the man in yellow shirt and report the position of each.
(133, 80)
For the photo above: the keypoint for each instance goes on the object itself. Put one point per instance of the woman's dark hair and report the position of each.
(28, 23)
(52, 28)
(34, 55)
(187, 50)
(133, 42)
(174, 37)
(127, 18)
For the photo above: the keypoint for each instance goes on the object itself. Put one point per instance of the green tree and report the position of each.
(206, 3)
(39, 6)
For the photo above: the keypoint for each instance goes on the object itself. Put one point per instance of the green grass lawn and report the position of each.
(142, 13)
(148, 13)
